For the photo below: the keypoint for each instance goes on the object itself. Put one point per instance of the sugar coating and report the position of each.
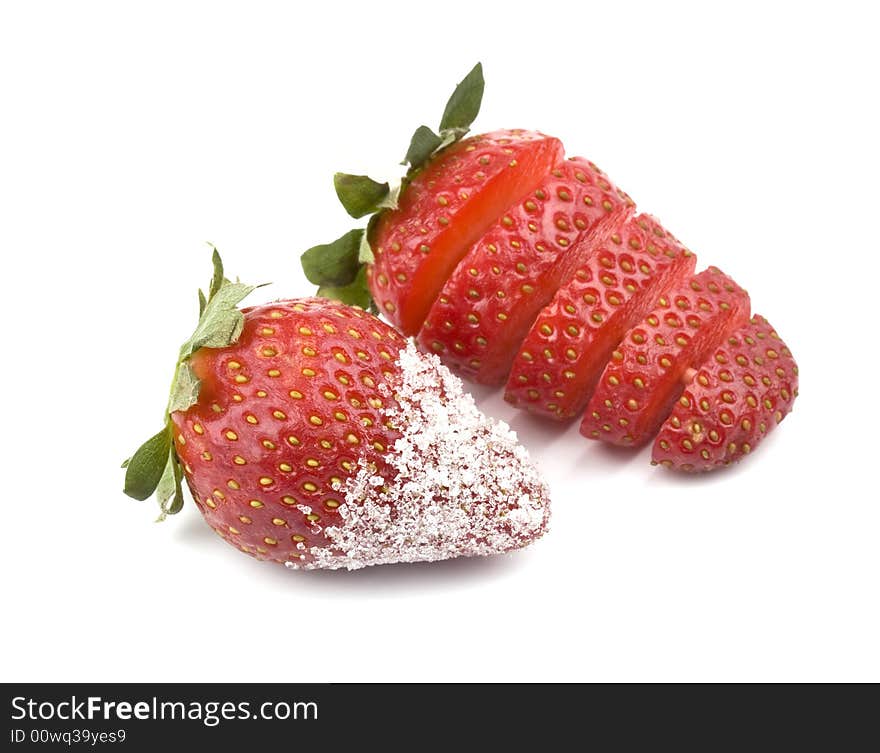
(463, 485)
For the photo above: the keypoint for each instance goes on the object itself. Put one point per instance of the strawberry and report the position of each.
(558, 364)
(452, 192)
(644, 376)
(489, 301)
(311, 434)
(733, 401)
(443, 210)
(539, 279)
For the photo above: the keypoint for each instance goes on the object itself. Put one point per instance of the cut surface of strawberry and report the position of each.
(737, 397)
(443, 210)
(557, 366)
(488, 303)
(645, 374)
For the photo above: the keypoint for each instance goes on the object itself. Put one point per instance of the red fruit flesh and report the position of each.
(445, 208)
(488, 303)
(556, 368)
(645, 374)
(281, 415)
(735, 399)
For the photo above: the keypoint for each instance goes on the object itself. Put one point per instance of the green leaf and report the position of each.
(449, 137)
(146, 466)
(202, 303)
(176, 503)
(170, 493)
(359, 194)
(365, 252)
(165, 488)
(221, 322)
(423, 144)
(185, 390)
(333, 264)
(390, 201)
(464, 104)
(355, 293)
(218, 279)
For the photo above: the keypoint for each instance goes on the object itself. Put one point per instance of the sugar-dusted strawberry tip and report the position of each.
(457, 484)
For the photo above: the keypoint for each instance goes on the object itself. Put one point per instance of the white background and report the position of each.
(131, 133)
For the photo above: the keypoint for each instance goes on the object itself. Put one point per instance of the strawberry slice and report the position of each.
(558, 365)
(444, 209)
(735, 399)
(493, 296)
(645, 374)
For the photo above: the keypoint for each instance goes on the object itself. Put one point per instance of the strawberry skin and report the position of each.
(644, 377)
(488, 303)
(558, 364)
(443, 210)
(283, 416)
(734, 400)
(298, 448)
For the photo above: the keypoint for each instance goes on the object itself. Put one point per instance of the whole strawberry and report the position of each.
(310, 433)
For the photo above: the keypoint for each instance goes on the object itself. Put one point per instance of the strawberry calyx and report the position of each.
(338, 268)
(154, 468)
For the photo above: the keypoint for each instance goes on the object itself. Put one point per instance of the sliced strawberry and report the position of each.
(445, 208)
(645, 374)
(558, 365)
(493, 296)
(735, 399)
